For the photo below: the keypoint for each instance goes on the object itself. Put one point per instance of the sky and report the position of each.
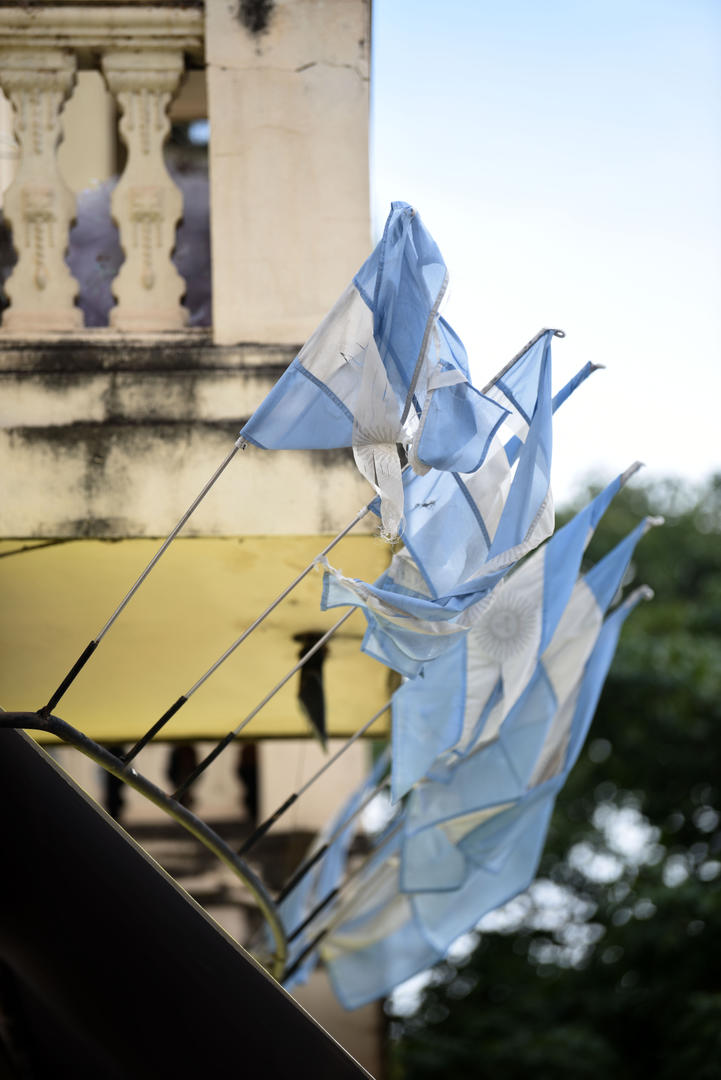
(566, 157)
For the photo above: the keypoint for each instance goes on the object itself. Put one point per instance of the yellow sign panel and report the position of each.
(201, 596)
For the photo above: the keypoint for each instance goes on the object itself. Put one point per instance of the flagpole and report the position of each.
(82, 660)
(151, 732)
(306, 866)
(339, 888)
(325, 902)
(174, 708)
(310, 947)
(270, 821)
(227, 739)
(271, 607)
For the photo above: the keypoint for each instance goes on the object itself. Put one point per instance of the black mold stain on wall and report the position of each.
(254, 15)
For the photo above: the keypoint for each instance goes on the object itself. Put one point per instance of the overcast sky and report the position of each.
(566, 156)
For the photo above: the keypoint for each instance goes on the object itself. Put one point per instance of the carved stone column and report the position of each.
(146, 204)
(38, 204)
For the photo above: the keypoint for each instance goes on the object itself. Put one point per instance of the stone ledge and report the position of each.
(108, 351)
(96, 27)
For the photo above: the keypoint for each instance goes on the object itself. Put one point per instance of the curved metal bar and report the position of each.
(54, 725)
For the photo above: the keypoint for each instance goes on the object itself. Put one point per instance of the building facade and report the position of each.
(185, 194)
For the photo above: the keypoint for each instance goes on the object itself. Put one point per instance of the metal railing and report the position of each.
(142, 54)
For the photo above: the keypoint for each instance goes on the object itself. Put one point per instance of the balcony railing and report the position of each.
(142, 53)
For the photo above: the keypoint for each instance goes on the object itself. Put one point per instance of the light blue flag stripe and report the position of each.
(514, 445)
(362, 975)
(564, 553)
(442, 917)
(300, 413)
(596, 671)
(440, 505)
(604, 578)
(530, 485)
(415, 745)
(403, 283)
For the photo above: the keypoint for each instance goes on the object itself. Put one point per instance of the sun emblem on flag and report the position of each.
(509, 625)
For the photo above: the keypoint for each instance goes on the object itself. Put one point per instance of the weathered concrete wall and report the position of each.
(109, 438)
(288, 162)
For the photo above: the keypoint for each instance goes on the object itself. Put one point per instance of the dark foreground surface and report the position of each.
(108, 969)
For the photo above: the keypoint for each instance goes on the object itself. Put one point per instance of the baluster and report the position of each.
(146, 204)
(38, 204)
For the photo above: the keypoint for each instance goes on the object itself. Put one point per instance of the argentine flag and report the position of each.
(374, 941)
(363, 376)
(463, 694)
(502, 852)
(379, 936)
(407, 624)
(464, 531)
(521, 750)
(323, 878)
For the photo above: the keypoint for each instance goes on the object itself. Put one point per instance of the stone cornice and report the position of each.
(97, 28)
(107, 351)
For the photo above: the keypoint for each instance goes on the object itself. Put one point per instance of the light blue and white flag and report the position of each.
(373, 941)
(323, 878)
(502, 852)
(490, 666)
(511, 751)
(378, 936)
(405, 629)
(363, 377)
(464, 531)
(405, 620)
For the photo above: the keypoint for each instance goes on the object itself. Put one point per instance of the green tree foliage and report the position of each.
(609, 965)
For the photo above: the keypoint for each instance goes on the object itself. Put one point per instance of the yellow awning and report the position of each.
(197, 601)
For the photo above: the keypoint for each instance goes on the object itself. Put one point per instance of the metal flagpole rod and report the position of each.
(90, 649)
(219, 747)
(306, 866)
(269, 822)
(246, 633)
(239, 444)
(332, 895)
(177, 705)
(296, 581)
(170, 712)
(342, 887)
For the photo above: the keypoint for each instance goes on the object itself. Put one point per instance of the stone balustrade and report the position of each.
(141, 52)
